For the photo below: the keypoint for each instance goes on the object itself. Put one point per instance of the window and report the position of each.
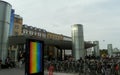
(35, 33)
(31, 32)
(16, 33)
(17, 20)
(16, 26)
(23, 31)
(26, 32)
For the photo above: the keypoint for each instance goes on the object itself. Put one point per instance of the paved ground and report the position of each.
(14, 71)
(18, 71)
(55, 73)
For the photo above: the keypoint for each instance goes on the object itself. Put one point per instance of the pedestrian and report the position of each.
(51, 69)
(7, 62)
(20, 63)
(116, 69)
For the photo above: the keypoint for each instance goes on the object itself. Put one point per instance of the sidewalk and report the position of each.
(58, 73)
(13, 71)
(21, 71)
(17, 71)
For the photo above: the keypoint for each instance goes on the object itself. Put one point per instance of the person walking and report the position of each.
(7, 62)
(51, 69)
(116, 69)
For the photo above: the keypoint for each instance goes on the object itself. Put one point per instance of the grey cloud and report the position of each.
(99, 17)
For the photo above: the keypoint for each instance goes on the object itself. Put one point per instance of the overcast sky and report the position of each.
(100, 18)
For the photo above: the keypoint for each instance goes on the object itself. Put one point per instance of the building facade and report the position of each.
(17, 27)
(54, 36)
(15, 30)
(33, 31)
(49, 50)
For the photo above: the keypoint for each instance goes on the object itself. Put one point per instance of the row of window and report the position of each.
(56, 37)
(33, 28)
(40, 34)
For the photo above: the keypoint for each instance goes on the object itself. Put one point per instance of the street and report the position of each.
(19, 71)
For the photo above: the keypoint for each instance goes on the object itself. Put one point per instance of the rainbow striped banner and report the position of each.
(35, 65)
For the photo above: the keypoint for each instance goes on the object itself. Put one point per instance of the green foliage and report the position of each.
(103, 52)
